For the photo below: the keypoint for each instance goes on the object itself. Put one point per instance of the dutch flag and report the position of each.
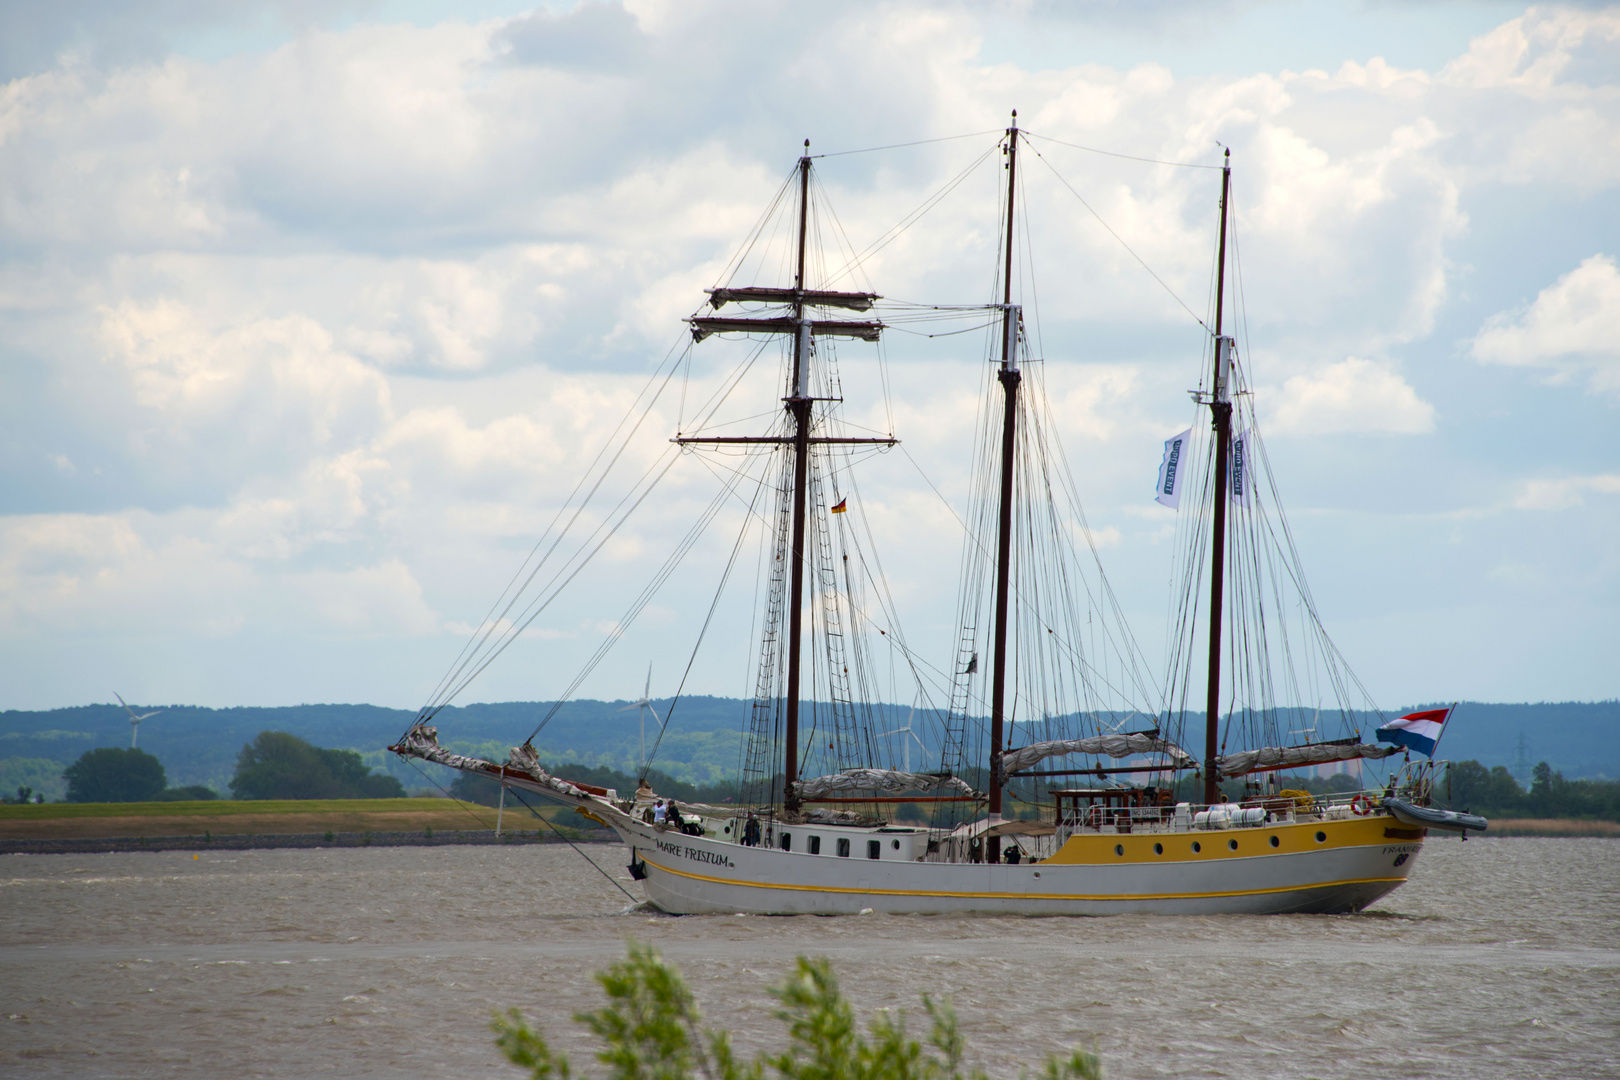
(1416, 731)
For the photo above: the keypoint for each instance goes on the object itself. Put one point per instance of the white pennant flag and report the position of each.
(1241, 471)
(1168, 493)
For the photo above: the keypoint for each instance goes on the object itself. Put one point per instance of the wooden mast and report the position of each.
(1220, 406)
(802, 327)
(1009, 377)
(798, 404)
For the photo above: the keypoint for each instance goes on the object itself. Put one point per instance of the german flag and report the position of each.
(843, 505)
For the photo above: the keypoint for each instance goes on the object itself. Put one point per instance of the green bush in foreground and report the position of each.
(650, 1030)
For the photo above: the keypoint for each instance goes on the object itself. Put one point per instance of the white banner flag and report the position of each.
(1241, 470)
(1168, 493)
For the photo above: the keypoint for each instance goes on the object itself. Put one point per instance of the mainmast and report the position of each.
(1220, 407)
(1010, 379)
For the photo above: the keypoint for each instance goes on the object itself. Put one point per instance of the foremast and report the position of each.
(1220, 407)
(1010, 378)
(798, 403)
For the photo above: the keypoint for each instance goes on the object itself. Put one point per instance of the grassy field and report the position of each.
(53, 821)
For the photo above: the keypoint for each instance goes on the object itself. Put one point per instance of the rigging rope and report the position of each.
(1112, 154)
(1122, 243)
(919, 142)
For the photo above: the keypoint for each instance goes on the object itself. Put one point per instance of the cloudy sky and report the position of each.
(311, 313)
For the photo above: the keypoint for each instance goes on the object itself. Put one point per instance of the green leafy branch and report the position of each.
(651, 1030)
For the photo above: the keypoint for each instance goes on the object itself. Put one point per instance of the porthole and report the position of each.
(1232, 844)
(728, 828)
(1158, 849)
(896, 844)
(1119, 849)
(1276, 842)
(1321, 838)
(1197, 847)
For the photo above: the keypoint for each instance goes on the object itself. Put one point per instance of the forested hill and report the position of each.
(199, 746)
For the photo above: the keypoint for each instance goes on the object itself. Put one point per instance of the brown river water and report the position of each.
(1500, 958)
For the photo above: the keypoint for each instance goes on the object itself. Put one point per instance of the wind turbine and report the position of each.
(1116, 725)
(911, 736)
(1315, 721)
(646, 706)
(134, 721)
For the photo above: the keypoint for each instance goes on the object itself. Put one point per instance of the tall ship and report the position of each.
(1069, 778)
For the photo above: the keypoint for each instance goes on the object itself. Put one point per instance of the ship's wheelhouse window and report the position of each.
(787, 841)
(815, 845)
(843, 847)
(874, 849)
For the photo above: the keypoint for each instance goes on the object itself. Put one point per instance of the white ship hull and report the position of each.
(1091, 874)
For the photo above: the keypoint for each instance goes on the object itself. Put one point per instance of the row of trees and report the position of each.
(110, 774)
(1468, 785)
(275, 765)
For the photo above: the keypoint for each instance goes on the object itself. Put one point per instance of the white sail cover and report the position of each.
(1273, 757)
(1111, 745)
(891, 780)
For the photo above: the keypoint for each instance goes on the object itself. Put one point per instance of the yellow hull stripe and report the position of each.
(1097, 849)
(1014, 895)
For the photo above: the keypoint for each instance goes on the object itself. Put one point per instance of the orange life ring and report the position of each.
(1361, 806)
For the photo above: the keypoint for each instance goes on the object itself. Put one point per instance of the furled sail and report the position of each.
(422, 741)
(1112, 745)
(891, 780)
(1283, 757)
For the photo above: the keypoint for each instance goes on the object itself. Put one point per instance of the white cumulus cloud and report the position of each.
(1561, 493)
(1571, 328)
(1353, 395)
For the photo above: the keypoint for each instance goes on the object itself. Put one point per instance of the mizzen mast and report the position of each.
(1220, 407)
(1010, 378)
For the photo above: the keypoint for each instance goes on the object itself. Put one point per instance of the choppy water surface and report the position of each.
(1501, 958)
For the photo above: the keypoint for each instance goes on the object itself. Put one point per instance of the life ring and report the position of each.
(1361, 806)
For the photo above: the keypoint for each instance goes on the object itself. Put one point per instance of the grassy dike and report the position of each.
(225, 817)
